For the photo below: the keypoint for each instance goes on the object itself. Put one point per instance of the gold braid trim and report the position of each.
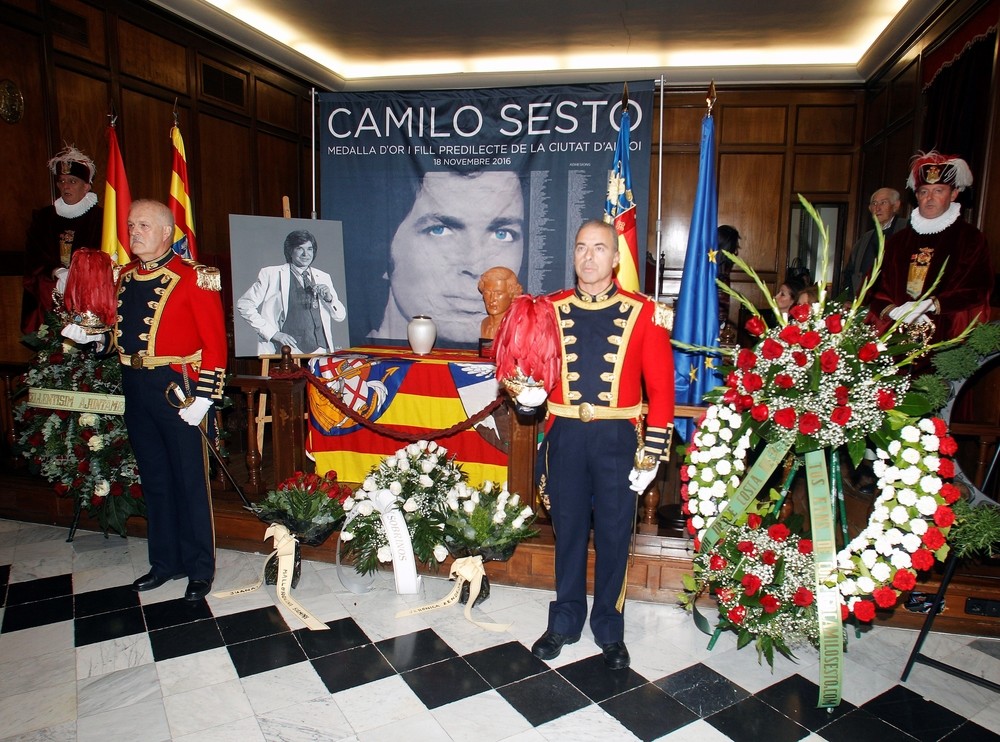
(209, 278)
(663, 316)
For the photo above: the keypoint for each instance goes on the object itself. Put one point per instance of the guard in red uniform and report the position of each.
(595, 457)
(170, 331)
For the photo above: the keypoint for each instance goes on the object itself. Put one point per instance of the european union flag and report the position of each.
(696, 316)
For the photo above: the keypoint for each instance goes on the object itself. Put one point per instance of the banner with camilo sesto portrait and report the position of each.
(433, 188)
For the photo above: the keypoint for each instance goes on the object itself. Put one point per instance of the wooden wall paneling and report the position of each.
(31, 6)
(904, 92)
(225, 158)
(751, 198)
(680, 176)
(277, 174)
(876, 110)
(823, 173)
(753, 125)
(275, 106)
(825, 125)
(83, 117)
(681, 124)
(79, 29)
(144, 136)
(156, 59)
(900, 146)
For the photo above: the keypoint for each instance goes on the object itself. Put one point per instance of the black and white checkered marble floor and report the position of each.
(82, 657)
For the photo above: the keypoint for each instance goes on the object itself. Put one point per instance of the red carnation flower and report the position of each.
(809, 423)
(746, 360)
(946, 468)
(885, 597)
(785, 417)
(732, 379)
(83, 467)
(730, 396)
(96, 501)
(803, 597)
(800, 358)
(736, 614)
(746, 547)
(759, 412)
(784, 381)
(805, 546)
(772, 349)
(922, 560)
(864, 610)
(904, 579)
(117, 489)
(751, 584)
(800, 312)
(868, 352)
(769, 603)
(36, 439)
(753, 522)
(841, 393)
(834, 323)
(885, 399)
(755, 326)
(791, 334)
(725, 595)
(943, 516)
(87, 434)
(717, 563)
(844, 613)
(950, 493)
(841, 415)
(810, 339)
(744, 402)
(940, 426)
(947, 445)
(61, 489)
(778, 532)
(933, 539)
(692, 530)
(752, 382)
(769, 558)
(829, 360)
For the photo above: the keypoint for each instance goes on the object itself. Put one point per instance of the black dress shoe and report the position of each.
(197, 589)
(550, 644)
(150, 581)
(616, 655)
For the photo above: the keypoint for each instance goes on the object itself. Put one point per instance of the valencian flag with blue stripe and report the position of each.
(696, 318)
(180, 200)
(619, 208)
(117, 202)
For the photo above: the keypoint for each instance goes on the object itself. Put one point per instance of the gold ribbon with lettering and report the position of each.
(467, 569)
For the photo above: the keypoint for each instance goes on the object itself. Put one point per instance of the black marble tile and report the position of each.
(972, 732)
(702, 689)
(506, 663)
(4, 579)
(342, 634)
(105, 626)
(410, 651)
(596, 681)
(242, 627)
(752, 720)
(542, 698)
(40, 589)
(266, 653)
(175, 613)
(105, 601)
(445, 682)
(352, 667)
(796, 698)
(918, 717)
(860, 726)
(189, 638)
(648, 712)
(38, 613)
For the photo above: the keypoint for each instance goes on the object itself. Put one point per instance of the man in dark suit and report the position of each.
(884, 206)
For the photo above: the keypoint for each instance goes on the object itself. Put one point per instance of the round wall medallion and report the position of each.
(11, 102)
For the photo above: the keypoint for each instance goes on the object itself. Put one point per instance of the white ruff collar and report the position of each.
(80, 208)
(937, 224)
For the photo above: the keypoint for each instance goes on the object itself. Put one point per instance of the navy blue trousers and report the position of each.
(173, 467)
(587, 468)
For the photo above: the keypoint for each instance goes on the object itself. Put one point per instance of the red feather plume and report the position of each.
(90, 288)
(527, 343)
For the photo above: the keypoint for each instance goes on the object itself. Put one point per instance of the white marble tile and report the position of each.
(310, 721)
(28, 674)
(376, 704)
(207, 707)
(485, 717)
(10, 526)
(112, 655)
(696, 731)
(24, 570)
(989, 717)
(40, 709)
(653, 658)
(58, 733)
(110, 556)
(31, 533)
(50, 548)
(590, 723)
(860, 684)
(6, 553)
(742, 667)
(324, 607)
(285, 686)
(37, 641)
(144, 721)
(193, 671)
(530, 735)
(244, 602)
(241, 730)
(961, 696)
(101, 578)
(422, 726)
(115, 690)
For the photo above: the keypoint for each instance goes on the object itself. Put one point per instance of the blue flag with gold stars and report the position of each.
(696, 315)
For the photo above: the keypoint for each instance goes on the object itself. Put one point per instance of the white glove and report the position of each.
(532, 396)
(79, 336)
(911, 310)
(61, 274)
(194, 413)
(641, 478)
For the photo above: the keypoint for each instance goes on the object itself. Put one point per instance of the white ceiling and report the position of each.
(402, 44)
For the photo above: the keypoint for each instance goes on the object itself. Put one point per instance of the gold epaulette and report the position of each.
(209, 278)
(664, 316)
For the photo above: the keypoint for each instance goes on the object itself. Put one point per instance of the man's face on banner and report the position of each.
(459, 226)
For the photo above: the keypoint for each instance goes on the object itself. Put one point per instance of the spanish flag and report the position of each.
(180, 200)
(619, 209)
(117, 201)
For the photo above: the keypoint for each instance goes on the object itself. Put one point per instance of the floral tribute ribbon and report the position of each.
(284, 548)
(467, 569)
(404, 565)
(824, 537)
